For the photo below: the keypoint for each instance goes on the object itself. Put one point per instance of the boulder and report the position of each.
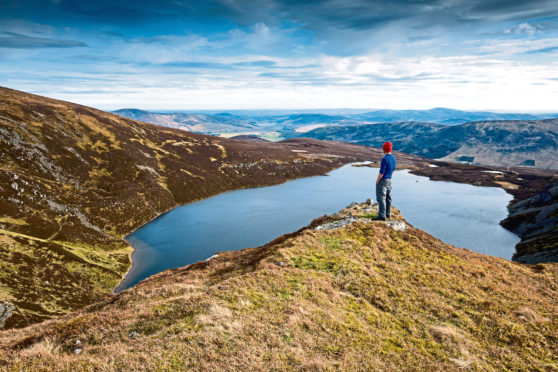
(6, 310)
(397, 225)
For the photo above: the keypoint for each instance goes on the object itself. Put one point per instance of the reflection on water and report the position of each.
(463, 215)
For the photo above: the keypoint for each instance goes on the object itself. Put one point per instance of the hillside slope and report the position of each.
(75, 180)
(365, 296)
(200, 123)
(499, 143)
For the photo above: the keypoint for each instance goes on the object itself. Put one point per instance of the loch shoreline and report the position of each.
(358, 164)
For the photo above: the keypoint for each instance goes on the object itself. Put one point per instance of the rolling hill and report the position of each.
(200, 123)
(498, 143)
(443, 115)
(293, 124)
(75, 180)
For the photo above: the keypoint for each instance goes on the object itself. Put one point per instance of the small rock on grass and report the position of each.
(336, 224)
(397, 225)
(6, 310)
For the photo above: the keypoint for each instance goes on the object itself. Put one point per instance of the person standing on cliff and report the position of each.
(383, 183)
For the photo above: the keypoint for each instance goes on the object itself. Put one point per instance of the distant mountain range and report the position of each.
(291, 124)
(504, 143)
(442, 115)
(504, 139)
(201, 123)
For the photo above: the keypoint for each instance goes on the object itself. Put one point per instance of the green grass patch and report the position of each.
(110, 259)
(333, 243)
(13, 221)
(369, 215)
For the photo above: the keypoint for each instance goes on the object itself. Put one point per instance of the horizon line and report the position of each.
(226, 110)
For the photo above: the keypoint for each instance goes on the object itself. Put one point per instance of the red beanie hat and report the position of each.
(387, 147)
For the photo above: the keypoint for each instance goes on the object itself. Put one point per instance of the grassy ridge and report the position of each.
(362, 297)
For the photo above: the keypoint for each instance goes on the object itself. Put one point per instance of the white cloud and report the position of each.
(490, 77)
(466, 82)
(510, 48)
(523, 28)
(522, 96)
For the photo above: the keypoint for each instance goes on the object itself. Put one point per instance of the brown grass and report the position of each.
(363, 297)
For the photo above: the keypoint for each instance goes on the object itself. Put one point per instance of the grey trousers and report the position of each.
(383, 195)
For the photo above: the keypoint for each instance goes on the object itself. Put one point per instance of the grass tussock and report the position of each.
(364, 297)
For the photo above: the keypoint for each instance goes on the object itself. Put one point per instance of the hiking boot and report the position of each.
(378, 218)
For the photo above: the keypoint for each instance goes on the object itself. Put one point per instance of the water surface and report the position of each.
(463, 215)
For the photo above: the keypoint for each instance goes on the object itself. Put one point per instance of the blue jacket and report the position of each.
(388, 166)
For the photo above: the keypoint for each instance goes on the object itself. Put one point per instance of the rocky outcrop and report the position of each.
(535, 220)
(363, 212)
(6, 310)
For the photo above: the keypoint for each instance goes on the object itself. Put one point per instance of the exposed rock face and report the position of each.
(363, 212)
(535, 220)
(6, 310)
(337, 224)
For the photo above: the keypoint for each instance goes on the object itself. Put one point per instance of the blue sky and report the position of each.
(272, 54)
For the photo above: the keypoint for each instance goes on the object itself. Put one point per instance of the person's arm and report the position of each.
(383, 166)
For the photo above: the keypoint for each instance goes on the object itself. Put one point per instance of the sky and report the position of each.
(499, 55)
